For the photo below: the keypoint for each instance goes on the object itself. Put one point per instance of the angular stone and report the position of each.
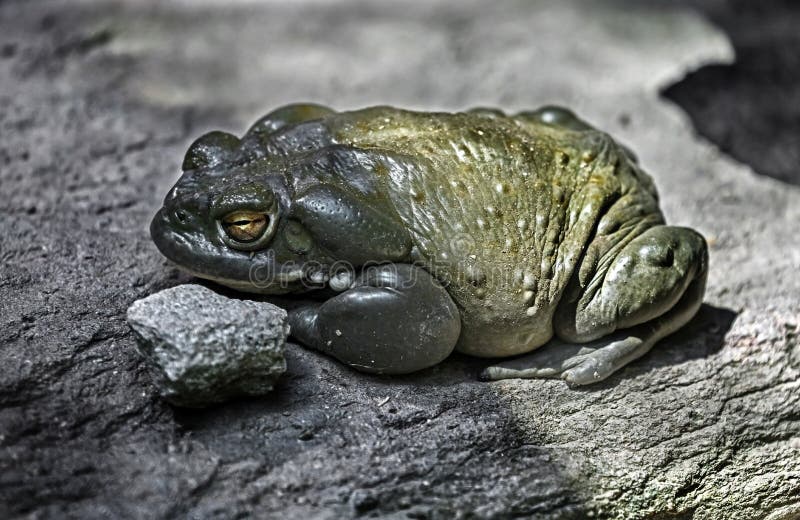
(204, 348)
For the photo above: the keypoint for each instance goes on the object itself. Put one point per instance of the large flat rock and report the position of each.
(98, 103)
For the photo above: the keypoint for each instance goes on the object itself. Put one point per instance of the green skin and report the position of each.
(419, 233)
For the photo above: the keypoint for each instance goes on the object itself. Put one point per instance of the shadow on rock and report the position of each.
(702, 337)
(417, 444)
(750, 108)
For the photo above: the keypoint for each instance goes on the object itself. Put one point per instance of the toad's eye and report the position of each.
(245, 227)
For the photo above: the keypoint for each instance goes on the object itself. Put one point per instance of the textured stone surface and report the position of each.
(204, 348)
(97, 105)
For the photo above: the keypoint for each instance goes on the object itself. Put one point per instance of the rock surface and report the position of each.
(750, 108)
(99, 100)
(203, 348)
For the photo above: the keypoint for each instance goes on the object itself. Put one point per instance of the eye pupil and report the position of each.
(245, 227)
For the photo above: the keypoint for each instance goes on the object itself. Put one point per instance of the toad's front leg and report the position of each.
(395, 319)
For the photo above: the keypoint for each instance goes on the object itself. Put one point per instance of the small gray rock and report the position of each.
(204, 348)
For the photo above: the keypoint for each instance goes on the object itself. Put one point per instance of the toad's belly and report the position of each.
(488, 331)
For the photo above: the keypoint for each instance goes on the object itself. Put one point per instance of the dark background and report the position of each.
(751, 109)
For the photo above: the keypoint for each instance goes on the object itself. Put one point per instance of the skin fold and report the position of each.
(417, 233)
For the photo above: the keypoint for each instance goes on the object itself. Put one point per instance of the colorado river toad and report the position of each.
(427, 232)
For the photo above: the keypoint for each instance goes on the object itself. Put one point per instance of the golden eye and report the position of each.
(245, 226)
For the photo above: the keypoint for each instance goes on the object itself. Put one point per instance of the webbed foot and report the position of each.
(577, 364)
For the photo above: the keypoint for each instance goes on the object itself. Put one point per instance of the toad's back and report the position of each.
(499, 208)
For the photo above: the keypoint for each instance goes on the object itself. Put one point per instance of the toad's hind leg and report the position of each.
(395, 319)
(652, 288)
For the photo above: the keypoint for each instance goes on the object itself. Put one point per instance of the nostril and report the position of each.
(181, 216)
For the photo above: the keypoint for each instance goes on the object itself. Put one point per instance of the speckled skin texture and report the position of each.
(511, 231)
